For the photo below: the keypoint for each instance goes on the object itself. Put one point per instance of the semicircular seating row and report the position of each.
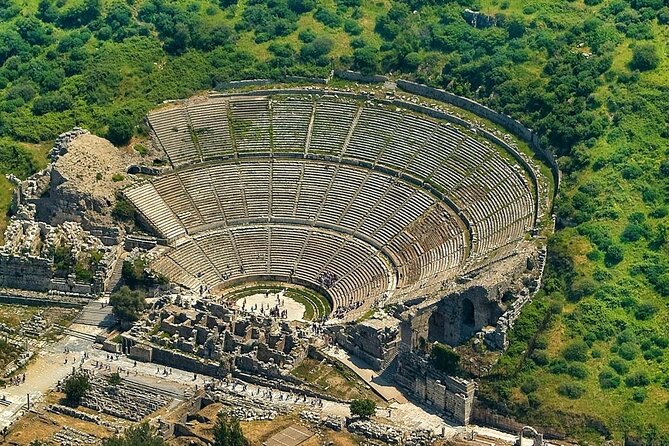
(418, 237)
(491, 193)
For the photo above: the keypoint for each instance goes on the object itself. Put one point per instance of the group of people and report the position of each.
(274, 311)
(16, 380)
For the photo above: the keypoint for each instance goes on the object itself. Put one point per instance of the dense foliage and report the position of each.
(138, 435)
(127, 304)
(75, 387)
(592, 77)
(228, 432)
(363, 408)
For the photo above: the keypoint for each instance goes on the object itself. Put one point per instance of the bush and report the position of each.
(352, 27)
(558, 367)
(114, 379)
(638, 379)
(608, 379)
(577, 370)
(529, 385)
(627, 351)
(540, 357)
(75, 387)
(639, 395)
(576, 351)
(620, 366)
(141, 434)
(121, 127)
(614, 255)
(645, 57)
(123, 210)
(444, 358)
(127, 304)
(327, 17)
(228, 432)
(141, 149)
(572, 391)
(363, 408)
(645, 311)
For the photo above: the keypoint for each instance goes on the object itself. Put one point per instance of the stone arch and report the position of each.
(530, 433)
(468, 312)
(436, 327)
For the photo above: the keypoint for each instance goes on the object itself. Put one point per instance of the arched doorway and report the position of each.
(468, 313)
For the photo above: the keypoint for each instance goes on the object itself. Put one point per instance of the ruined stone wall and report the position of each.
(178, 360)
(27, 273)
(456, 317)
(451, 396)
(375, 342)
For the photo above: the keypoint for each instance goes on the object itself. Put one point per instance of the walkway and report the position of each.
(380, 385)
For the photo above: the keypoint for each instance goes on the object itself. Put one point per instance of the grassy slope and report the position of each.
(613, 405)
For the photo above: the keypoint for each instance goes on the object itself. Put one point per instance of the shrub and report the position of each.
(127, 304)
(141, 149)
(444, 358)
(639, 395)
(327, 17)
(114, 379)
(540, 357)
(121, 127)
(76, 386)
(627, 351)
(571, 390)
(645, 57)
(123, 210)
(533, 400)
(637, 379)
(576, 351)
(577, 370)
(529, 385)
(614, 255)
(228, 432)
(352, 27)
(608, 379)
(363, 408)
(117, 177)
(620, 366)
(141, 434)
(559, 366)
(645, 311)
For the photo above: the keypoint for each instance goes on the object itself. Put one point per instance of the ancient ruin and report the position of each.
(409, 226)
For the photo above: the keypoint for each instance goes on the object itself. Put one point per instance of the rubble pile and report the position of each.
(68, 436)
(369, 429)
(122, 401)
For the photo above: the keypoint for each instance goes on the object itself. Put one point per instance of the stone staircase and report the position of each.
(115, 279)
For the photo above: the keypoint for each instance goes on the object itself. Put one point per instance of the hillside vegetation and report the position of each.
(592, 76)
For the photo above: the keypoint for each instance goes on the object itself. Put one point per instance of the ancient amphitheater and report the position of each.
(364, 200)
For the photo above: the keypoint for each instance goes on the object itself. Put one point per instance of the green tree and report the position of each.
(127, 304)
(121, 127)
(228, 432)
(114, 379)
(645, 57)
(366, 60)
(576, 351)
(614, 255)
(444, 358)
(363, 408)
(75, 387)
(139, 435)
